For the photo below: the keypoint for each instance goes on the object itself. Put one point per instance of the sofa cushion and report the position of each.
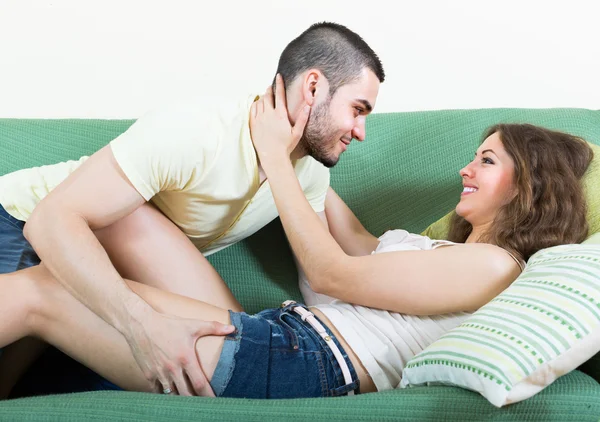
(573, 398)
(593, 239)
(544, 325)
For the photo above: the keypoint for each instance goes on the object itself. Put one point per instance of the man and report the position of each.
(196, 163)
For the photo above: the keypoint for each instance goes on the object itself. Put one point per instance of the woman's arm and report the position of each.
(458, 278)
(448, 279)
(346, 229)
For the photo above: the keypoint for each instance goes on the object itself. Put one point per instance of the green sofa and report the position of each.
(405, 175)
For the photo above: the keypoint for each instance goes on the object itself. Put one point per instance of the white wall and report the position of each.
(118, 58)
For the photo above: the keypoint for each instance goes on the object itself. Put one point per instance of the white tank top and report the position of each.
(385, 341)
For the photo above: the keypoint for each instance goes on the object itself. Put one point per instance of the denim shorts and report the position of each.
(276, 355)
(15, 251)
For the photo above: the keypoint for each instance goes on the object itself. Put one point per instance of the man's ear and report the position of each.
(314, 86)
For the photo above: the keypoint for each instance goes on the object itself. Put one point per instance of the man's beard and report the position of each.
(318, 135)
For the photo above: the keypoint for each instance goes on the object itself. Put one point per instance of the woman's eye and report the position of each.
(486, 160)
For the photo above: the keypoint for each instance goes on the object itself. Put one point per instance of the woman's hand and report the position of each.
(273, 136)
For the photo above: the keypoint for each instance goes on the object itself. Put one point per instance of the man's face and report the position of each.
(335, 121)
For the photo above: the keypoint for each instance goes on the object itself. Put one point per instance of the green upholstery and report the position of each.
(573, 398)
(405, 175)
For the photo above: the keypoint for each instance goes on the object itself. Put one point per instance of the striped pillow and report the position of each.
(544, 325)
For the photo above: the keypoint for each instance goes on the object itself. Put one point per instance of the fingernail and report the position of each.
(306, 108)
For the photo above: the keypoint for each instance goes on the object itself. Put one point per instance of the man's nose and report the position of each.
(358, 132)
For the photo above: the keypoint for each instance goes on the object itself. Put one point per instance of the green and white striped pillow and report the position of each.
(544, 325)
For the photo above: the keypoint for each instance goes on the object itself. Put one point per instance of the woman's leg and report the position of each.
(147, 247)
(15, 253)
(16, 302)
(43, 308)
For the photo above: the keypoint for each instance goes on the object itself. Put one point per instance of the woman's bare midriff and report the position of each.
(366, 383)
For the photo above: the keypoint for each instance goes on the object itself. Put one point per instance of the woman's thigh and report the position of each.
(147, 247)
(66, 323)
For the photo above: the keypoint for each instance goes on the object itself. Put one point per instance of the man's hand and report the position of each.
(273, 136)
(164, 347)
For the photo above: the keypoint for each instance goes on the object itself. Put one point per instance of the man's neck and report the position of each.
(296, 154)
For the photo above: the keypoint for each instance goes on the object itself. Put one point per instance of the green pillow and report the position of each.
(591, 184)
(593, 239)
(543, 326)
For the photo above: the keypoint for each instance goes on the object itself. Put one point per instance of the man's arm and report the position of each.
(60, 230)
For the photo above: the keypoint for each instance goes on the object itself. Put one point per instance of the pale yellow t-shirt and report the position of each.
(196, 162)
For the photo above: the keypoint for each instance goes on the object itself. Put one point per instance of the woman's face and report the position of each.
(488, 183)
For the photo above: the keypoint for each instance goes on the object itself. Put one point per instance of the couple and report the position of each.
(512, 190)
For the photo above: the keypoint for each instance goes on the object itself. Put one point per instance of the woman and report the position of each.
(522, 181)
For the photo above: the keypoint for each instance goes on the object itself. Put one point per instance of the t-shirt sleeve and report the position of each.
(316, 189)
(163, 151)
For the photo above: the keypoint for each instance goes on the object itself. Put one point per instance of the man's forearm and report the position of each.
(70, 250)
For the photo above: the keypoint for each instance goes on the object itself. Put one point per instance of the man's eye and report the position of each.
(358, 109)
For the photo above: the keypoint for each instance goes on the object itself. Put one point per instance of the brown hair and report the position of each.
(550, 207)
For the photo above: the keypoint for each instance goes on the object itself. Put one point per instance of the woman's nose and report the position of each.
(466, 171)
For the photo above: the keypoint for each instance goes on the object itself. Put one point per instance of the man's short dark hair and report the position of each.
(336, 51)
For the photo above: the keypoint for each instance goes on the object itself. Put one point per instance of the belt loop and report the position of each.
(288, 303)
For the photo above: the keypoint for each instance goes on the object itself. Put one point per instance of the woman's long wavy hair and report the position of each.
(550, 207)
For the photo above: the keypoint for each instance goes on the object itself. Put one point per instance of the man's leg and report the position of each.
(15, 254)
(148, 248)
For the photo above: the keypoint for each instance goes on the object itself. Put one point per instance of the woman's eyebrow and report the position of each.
(489, 150)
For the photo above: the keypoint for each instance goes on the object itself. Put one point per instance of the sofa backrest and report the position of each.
(404, 175)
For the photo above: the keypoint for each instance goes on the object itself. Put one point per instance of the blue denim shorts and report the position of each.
(276, 355)
(15, 251)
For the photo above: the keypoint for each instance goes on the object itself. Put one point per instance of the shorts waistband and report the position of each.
(307, 316)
